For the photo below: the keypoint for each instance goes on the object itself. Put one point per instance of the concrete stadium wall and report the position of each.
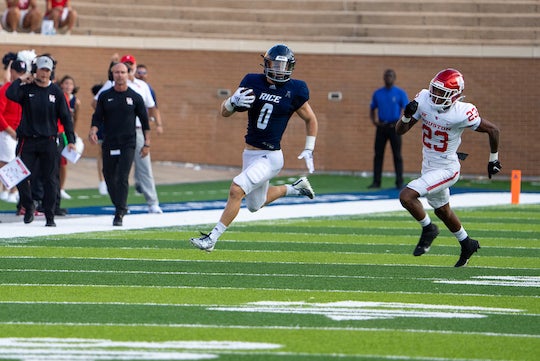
(187, 74)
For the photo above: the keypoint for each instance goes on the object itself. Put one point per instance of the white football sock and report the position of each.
(426, 221)
(461, 234)
(291, 191)
(218, 230)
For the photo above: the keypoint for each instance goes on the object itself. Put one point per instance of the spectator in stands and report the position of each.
(10, 116)
(62, 14)
(21, 15)
(67, 83)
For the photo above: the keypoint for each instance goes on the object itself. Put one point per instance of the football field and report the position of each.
(321, 288)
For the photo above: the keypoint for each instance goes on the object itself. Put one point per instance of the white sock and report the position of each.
(426, 221)
(291, 191)
(461, 234)
(218, 230)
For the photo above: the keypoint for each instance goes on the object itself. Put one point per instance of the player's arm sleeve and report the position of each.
(472, 117)
(244, 83)
(303, 95)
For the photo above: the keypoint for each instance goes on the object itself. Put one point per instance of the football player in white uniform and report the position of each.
(443, 117)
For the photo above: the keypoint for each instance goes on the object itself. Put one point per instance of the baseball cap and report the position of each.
(19, 66)
(128, 59)
(44, 62)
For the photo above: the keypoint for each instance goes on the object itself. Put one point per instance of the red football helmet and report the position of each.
(446, 88)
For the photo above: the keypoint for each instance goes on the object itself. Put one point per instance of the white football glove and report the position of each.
(307, 155)
(242, 97)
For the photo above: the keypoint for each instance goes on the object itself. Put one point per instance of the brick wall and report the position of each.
(505, 90)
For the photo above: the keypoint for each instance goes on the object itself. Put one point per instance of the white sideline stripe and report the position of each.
(141, 221)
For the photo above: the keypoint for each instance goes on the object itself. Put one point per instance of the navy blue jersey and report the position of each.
(273, 107)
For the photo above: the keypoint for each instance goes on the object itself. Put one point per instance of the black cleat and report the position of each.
(429, 233)
(29, 215)
(118, 219)
(60, 212)
(468, 247)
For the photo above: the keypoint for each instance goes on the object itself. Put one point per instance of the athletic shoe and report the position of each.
(60, 212)
(13, 197)
(203, 242)
(118, 219)
(102, 188)
(154, 209)
(429, 233)
(64, 194)
(50, 222)
(302, 185)
(468, 247)
(29, 215)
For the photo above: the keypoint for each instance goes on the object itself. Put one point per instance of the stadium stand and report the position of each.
(489, 22)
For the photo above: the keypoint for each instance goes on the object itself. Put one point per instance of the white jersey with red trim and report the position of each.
(441, 131)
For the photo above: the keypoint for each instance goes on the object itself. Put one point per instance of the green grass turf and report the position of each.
(328, 288)
(322, 183)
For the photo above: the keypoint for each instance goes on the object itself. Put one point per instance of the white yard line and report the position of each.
(69, 225)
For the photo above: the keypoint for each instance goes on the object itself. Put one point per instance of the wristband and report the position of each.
(493, 156)
(310, 142)
(228, 105)
(405, 120)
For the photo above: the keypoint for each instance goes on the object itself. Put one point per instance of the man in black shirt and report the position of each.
(43, 104)
(116, 111)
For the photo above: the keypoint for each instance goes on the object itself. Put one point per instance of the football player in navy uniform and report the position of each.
(270, 99)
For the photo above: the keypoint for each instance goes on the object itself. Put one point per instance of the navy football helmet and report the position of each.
(279, 63)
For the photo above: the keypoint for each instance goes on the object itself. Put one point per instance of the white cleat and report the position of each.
(204, 242)
(13, 198)
(64, 194)
(303, 186)
(102, 188)
(155, 209)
